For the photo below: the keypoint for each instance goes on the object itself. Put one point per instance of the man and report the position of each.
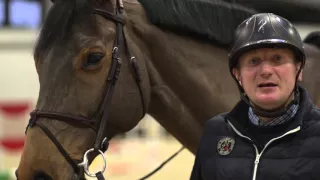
(274, 131)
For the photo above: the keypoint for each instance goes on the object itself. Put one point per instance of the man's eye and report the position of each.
(277, 58)
(253, 61)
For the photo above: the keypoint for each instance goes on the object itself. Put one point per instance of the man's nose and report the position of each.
(266, 69)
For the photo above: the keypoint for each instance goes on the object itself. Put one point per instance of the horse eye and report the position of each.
(93, 59)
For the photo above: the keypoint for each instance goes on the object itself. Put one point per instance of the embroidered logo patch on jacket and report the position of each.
(225, 145)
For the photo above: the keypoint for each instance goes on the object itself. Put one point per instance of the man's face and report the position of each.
(267, 75)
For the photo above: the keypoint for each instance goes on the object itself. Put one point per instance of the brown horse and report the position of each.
(92, 87)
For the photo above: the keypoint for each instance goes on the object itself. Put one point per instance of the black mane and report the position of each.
(313, 38)
(212, 20)
(63, 15)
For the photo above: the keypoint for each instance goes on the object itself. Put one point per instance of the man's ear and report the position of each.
(301, 72)
(300, 76)
(236, 73)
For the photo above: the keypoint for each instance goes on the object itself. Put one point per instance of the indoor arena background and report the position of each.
(130, 156)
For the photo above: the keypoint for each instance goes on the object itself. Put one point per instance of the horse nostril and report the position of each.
(42, 176)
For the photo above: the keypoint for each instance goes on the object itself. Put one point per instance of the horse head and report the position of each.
(91, 88)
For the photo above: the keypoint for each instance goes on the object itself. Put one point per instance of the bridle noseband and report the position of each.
(98, 125)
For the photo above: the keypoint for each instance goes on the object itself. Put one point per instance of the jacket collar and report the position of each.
(238, 116)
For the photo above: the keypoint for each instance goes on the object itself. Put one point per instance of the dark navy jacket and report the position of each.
(228, 151)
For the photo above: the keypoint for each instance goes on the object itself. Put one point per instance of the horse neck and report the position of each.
(189, 79)
(180, 68)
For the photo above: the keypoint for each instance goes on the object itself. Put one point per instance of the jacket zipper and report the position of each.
(258, 155)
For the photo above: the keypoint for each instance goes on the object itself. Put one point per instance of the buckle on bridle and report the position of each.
(115, 50)
(85, 163)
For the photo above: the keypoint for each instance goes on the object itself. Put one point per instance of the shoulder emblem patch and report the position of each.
(225, 145)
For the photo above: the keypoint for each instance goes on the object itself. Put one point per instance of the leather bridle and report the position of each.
(98, 125)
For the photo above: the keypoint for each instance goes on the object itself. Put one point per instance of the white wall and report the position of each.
(18, 77)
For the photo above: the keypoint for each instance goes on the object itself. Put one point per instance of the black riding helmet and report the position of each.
(266, 30)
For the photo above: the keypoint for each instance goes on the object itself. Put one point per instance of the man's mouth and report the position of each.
(269, 84)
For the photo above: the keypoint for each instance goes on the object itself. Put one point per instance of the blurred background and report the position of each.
(130, 156)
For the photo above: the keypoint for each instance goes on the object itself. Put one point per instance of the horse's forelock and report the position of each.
(56, 29)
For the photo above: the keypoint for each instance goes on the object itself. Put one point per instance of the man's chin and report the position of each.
(268, 103)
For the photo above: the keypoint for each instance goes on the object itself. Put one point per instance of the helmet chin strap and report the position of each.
(274, 112)
(278, 111)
